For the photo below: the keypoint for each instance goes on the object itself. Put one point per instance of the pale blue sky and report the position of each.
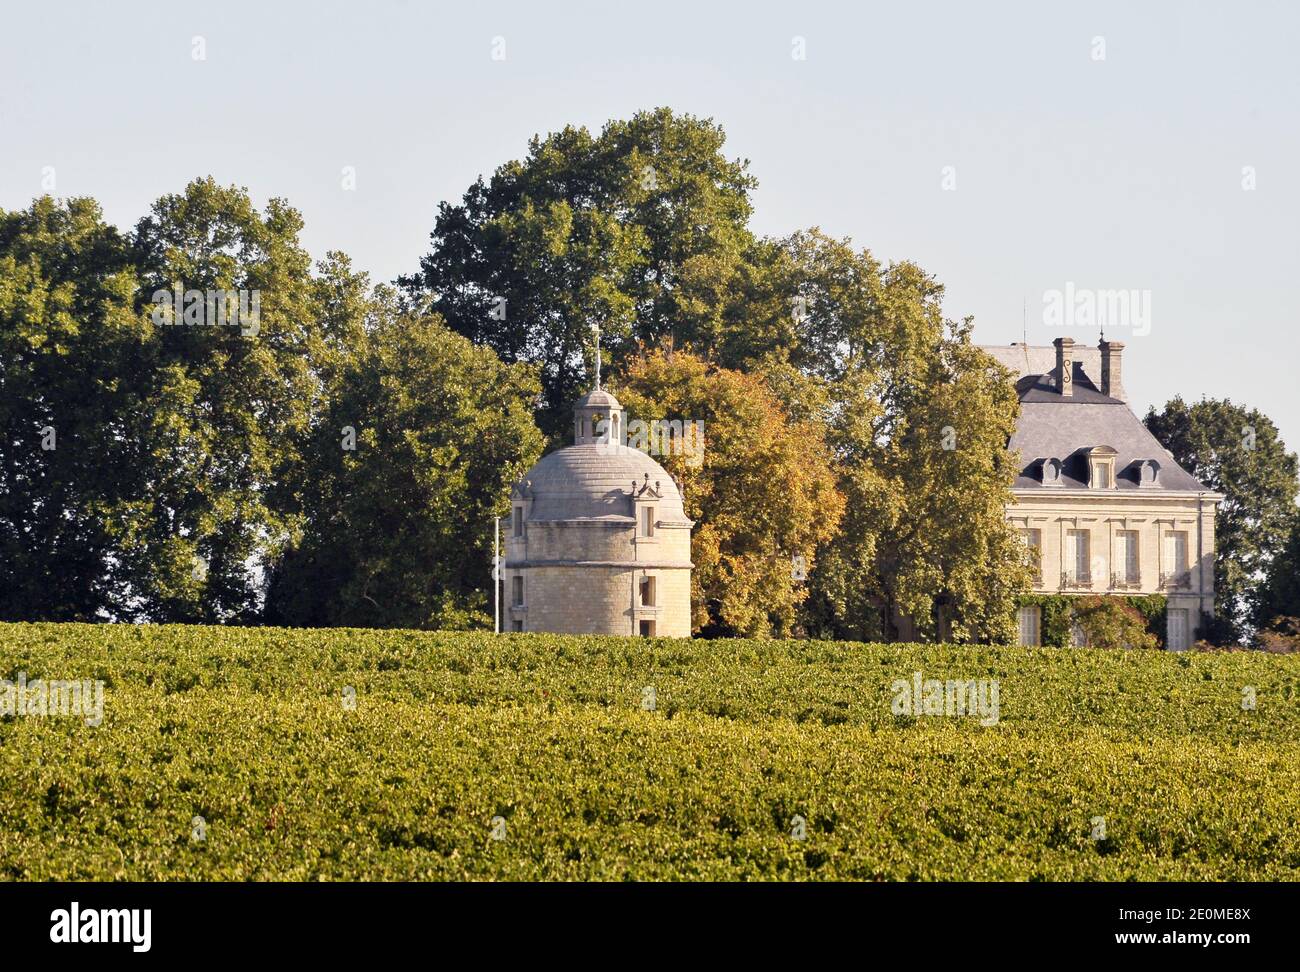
(1122, 173)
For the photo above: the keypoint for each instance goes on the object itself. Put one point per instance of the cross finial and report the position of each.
(596, 329)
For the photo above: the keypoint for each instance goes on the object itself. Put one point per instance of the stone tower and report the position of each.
(598, 542)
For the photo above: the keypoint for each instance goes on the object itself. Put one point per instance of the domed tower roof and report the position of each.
(598, 398)
(598, 481)
(598, 477)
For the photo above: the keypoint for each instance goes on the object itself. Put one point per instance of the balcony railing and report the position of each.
(1177, 581)
(1075, 582)
(1119, 582)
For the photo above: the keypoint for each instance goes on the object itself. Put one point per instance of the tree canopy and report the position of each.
(158, 465)
(638, 230)
(761, 491)
(1236, 451)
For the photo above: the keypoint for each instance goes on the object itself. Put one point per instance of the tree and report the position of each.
(172, 473)
(1279, 595)
(70, 346)
(641, 230)
(762, 494)
(233, 402)
(423, 435)
(918, 420)
(1238, 452)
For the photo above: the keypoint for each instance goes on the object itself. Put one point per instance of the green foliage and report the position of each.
(1108, 622)
(751, 518)
(70, 346)
(918, 419)
(1279, 595)
(1238, 452)
(246, 728)
(640, 230)
(1057, 612)
(398, 528)
(194, 463)
(175, 446)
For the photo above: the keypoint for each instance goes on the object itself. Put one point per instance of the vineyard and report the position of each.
(244, 753)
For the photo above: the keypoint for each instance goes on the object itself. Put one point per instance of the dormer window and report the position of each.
(647, 521)
(1148, 471)
(1101, 467)
(1051, 472)
(517, 522)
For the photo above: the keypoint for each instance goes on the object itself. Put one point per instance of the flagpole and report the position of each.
(496, 575)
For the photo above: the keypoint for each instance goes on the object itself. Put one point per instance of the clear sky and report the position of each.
(986, 141)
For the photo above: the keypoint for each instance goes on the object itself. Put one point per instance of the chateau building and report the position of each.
(1105, 507)
(598, 542)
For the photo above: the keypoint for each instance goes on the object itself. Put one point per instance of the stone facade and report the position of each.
(1105, 506)
(1173, 555)
(597, 541)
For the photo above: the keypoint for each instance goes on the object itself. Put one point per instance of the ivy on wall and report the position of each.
(1055, 611)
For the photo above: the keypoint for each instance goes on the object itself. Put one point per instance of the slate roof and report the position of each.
(1053, 427)
(595, 481)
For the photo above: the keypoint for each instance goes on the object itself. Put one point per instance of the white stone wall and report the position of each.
(1104, 515)
(583, 577)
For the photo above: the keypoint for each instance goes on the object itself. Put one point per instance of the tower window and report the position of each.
(517, 591)
(518, 522)
(647, 592)
(647, 521)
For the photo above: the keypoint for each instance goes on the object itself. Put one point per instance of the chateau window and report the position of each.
(647, 521)
(647, 629)
(647, 592)
(1148, 473)
(1177, 634)
(1128, 558)
(517, 625)
(1176, 556)
(1034, 541)
(1077, 558)
(517, 528)
(1101, 467)
(517, 591)
(1030, 625)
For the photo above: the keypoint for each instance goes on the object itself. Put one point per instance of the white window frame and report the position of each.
(1130, 542)
(1030, 615)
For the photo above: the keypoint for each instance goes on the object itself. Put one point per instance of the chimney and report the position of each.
(1065, 365)
(1111, 383)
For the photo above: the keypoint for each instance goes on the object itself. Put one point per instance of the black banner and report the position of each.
(144, 922)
